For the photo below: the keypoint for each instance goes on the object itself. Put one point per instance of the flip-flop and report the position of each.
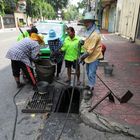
(67, 81)
(78, 83)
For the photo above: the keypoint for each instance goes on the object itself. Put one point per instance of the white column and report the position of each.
(1, 19)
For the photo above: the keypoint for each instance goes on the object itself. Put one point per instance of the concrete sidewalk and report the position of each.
(117, 117)
(7, 30)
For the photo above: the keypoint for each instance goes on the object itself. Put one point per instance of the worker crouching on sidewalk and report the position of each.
(22, 54)
(93, 49)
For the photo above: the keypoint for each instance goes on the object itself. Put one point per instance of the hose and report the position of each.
(73, 87)
(15, 122)
(68, 108)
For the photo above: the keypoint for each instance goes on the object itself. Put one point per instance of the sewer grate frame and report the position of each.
(40, 103)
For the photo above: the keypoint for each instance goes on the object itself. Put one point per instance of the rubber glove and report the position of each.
(83, 56)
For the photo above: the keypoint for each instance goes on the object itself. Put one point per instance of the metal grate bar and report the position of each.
(40, 103)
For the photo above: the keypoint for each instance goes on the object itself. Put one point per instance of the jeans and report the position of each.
(91, 72)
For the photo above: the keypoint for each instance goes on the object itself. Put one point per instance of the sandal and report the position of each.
(20, 85)
(78, 83)
(67, 81)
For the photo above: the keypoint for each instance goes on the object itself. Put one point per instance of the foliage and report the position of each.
(7, 6)
(48, 11)
(2, 7)
(39, 9)
(58, 4)
(72, 13)
(82, 4)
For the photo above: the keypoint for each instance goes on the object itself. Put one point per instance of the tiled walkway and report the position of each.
(125, 57)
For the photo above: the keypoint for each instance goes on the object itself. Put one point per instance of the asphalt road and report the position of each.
(34, 126)
(8, 89)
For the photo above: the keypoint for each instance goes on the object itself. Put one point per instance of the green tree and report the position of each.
(72, 13)
(39, 9)
(48, 11)
(7, 6)
(58, 4)
(2, 6)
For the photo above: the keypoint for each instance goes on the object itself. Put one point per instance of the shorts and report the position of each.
(17, 66)
(69, 64)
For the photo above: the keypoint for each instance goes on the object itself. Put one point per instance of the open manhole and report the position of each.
(64, 100)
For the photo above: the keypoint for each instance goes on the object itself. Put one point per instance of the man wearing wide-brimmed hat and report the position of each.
(22, 54)
(92, 47)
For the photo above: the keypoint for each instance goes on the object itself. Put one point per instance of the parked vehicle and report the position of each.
(43, 29)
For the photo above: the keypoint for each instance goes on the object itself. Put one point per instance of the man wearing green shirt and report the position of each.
(70, 47)
(27, 33)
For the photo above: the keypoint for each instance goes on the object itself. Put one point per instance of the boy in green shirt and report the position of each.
(70, 47)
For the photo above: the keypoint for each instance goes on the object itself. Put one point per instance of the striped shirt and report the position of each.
(25, 51)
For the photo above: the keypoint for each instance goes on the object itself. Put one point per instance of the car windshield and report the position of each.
(44, 28)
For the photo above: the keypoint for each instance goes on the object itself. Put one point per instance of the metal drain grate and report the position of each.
(40, 103)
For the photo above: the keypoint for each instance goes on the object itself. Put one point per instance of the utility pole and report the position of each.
(88, 6)
(100, 14)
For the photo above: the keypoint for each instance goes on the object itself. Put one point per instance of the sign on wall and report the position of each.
(21, 6)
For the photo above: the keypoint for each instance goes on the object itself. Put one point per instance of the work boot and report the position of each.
(35, 88)
(57, 76)
(89, 88)
(88, 93)
(68, 81)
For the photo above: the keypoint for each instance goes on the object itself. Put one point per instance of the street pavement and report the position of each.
(122, 120)
(116, 117)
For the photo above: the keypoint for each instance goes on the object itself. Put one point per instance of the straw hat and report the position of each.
(89, 17)
(36, 37)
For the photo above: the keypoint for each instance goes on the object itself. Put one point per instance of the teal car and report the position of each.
(43, 29)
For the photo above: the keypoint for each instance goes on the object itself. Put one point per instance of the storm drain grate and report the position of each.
(40, 103)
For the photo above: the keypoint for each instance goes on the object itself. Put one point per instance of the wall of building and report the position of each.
(128, 18)
(105, 18)
(118, 14)
(8, 21)
(19, 17)
(1, 23)
(112, 18)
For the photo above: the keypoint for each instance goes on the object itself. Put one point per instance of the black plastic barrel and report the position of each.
(45, 70)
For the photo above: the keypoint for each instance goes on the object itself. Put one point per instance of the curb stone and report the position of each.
(101, 123)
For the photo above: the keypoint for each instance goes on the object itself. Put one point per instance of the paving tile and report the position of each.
(125, 57)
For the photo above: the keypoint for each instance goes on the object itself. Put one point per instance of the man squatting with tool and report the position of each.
(93, 49)
(22, 54)
(22, 35)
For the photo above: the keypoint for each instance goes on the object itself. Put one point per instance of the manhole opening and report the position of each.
(64, 101)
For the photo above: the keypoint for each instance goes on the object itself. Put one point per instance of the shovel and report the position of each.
(126, 97)
(111, 98)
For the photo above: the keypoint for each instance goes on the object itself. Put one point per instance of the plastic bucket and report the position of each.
(45, 70)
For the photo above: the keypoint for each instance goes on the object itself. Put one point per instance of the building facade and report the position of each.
(129, 23)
